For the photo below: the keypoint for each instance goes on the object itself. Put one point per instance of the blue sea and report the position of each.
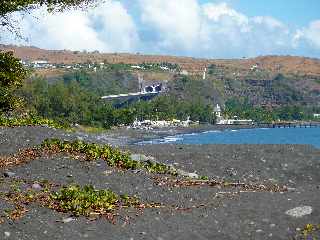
(309, 136)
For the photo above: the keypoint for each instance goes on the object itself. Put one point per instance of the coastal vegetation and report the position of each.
(243, 109)
(12, 74)
(74, 199)
(29, 120)
(87, 200)
(75, 99)
(113, 156)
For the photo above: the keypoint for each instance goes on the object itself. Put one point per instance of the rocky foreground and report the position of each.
(252, 191)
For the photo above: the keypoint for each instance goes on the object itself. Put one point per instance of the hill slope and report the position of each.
(283, 64)
(266, 80)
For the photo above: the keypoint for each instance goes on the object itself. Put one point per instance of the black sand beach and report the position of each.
(199, 211)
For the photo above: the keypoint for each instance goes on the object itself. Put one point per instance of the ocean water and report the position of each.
(309, 136)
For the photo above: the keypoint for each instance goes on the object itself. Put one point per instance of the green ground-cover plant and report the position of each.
(113, 156)
(309, 231)
(85, 200)
(29, 121)
(78, 200)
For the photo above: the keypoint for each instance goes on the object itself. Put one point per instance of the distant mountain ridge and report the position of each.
(274, 64)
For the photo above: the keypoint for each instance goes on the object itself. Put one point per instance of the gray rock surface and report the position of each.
(299, 211)
(246, 215)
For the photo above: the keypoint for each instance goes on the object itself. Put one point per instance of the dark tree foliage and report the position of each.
(76, 99)
(243, 109)
(8, 7)
(12, 74)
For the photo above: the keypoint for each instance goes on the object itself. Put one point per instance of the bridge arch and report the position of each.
(149, 89)
(153, 88)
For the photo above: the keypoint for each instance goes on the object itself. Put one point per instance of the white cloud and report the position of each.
(221, 12)
(212, 30)
(177, 22)
(179, 27)
(310, 34)
(108, 27)
(115, 26)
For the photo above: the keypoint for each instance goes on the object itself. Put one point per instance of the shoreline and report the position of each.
(134, 136)
(156, 136)
(201, 212)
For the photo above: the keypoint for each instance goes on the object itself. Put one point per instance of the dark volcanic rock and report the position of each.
(245, 215)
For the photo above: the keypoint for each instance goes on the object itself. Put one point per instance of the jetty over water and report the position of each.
(291, 125)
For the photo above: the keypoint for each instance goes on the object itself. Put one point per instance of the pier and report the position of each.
(290, 125)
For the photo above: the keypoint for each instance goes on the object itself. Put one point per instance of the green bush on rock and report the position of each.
(113, 156)
(28, 121)
(85, 200)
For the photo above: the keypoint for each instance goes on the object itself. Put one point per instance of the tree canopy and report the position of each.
(12, 74)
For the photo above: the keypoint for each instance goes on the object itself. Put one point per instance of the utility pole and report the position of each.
(140, 80)
(204, 74)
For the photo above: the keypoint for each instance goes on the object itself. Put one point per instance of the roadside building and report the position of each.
(184, 72)
(217, 111)
(40, 64)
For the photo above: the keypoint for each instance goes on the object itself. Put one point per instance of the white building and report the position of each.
(40, 64)
(235, 121)
(204, 74)
(254, 67)
(164, 68)
(316, 115)
(184, 72)
(217, 111)
(136, 67)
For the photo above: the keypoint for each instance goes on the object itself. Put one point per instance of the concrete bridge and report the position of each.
(147, 91)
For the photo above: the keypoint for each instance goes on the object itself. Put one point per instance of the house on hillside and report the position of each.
(164, 68)
(184, 72)
(40, 64)
(136, 67)
(254, 67)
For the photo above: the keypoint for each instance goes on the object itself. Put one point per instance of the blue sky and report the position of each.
(293, 12)
(198, 28)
